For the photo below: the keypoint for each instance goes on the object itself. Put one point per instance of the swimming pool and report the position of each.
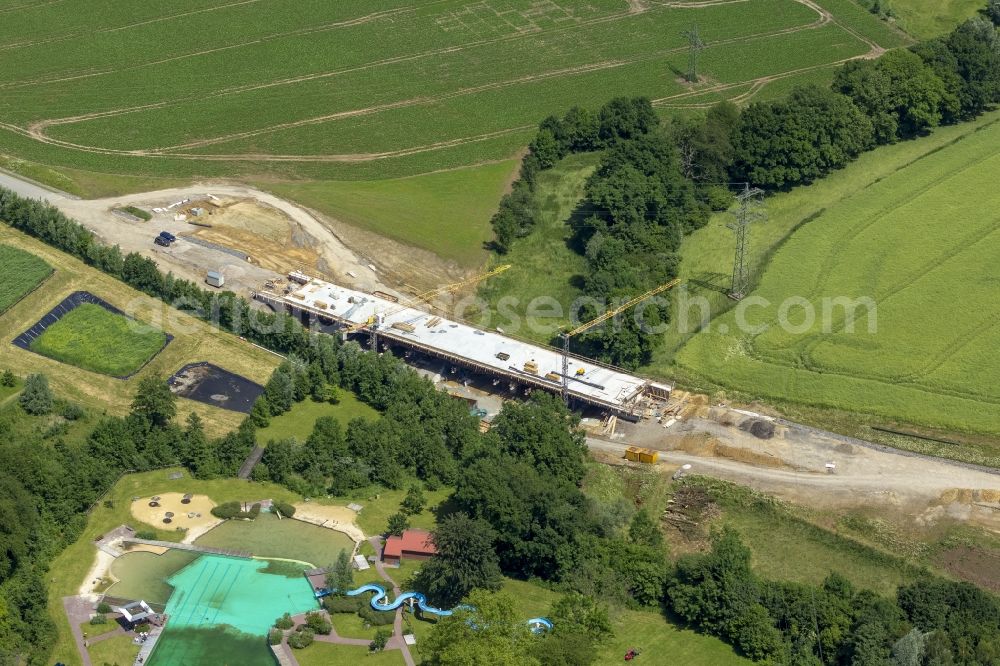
(221, 609)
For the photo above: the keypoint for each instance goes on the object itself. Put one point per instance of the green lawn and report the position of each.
(95, 339)
(326, 654)
(546, 267)
(269, 536)
(116, 651)
(350, 625)
(91, 631)
(447, 213)
(380, 503)
(658, 639)
(926, 355)
(20, 272)
(299, 422)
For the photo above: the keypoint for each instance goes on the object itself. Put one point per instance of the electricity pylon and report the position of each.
(695, 46)
(749, 209)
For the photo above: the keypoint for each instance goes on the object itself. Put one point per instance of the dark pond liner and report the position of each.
(210, 384)
(67, 305)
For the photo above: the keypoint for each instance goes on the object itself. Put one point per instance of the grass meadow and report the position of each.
(919, 240)
(447, 213)
(93, 338)
(20, 273)
(931, 18)
(393, 88)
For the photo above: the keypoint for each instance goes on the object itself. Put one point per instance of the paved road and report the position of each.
(30, 190)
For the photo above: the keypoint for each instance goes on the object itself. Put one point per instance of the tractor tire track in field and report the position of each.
(129, 26)
(37, 130)
(345, 23)
(807, 345)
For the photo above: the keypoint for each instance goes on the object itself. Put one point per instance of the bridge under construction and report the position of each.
(490, 353)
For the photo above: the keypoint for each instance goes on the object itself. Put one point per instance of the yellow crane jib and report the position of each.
(600, 320)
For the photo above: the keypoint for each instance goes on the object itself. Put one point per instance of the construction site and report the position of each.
(390, 325)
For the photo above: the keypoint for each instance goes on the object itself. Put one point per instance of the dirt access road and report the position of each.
(189, 260)
(793, 465)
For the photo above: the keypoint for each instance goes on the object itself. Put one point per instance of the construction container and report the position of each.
(552, 377)
(296, 276)
(503, 356)
(531, 367)
(404, 326)
(215, 279)
(641, 455)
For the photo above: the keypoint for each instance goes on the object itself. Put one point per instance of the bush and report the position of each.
(254, 511)
(149, 535)
(343, 604)
(318, 623)
(284, 622)
(227, 510)
(375, 618)
(381, 639)
(72, 411)
(103, 607)
(8, 379)
(286, 509)
(100, 618)
(36, 398)
(302, 638)
(274, 636)
(398, 523)
(142, 628)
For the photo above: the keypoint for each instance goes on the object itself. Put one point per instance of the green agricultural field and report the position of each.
(20, 272)
(920, 243)
(95, 339)
(203, 88)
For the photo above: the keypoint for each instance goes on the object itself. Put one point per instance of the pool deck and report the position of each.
(150, 643)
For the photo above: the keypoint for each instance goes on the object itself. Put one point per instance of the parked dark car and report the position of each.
(160, 240)
(167, 236)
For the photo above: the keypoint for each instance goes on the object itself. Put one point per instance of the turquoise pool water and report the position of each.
(221, 609)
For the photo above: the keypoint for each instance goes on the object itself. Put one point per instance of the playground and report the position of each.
(176, 510)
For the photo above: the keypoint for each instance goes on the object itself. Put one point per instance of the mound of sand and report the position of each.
(338, 518)
(196, 516)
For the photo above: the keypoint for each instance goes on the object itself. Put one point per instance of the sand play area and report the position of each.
(338, 518)
(172, 510)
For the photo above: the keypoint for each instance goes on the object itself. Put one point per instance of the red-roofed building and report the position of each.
(413, 545)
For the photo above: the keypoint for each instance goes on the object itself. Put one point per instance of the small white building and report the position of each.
(215, 279)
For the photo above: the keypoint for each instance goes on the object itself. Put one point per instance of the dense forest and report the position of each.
(659, 180)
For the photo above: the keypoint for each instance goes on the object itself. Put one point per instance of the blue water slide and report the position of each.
(380, 602)
(379, 594)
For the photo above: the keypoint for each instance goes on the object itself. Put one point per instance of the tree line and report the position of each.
(659, 180)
